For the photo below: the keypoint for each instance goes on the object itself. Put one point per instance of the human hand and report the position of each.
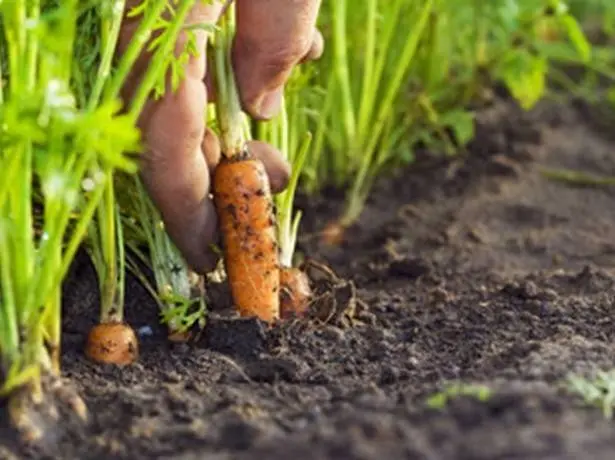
(181, 153)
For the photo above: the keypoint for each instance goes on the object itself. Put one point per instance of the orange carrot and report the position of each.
(112, 343)
(295, 292)
(243, 200)
(242, 195)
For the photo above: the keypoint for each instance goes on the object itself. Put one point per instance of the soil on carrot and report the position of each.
(476, 269)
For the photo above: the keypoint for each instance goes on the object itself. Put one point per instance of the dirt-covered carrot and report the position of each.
(112, 343)
(243, 198)
(112, 340)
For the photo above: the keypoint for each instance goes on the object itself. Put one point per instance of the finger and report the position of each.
(275, 164)
(211, 148)
(278, 169)
(317, 48)
(272, 37)
(175, 172)
(174, 167)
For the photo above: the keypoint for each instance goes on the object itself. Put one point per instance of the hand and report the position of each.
(180, 152)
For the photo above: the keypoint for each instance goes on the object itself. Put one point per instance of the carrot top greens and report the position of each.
(62, 137)
(394, 77)
(282, 133)
(176, 288)
(230, 118)
(67, 147)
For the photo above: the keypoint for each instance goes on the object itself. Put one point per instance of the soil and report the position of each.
(476, 269)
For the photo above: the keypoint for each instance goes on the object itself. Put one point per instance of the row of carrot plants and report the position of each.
(395, 73)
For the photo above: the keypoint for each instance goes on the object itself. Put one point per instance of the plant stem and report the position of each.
(156, 66)
(111, 33)
(228, 105)
(341, 55)
(134, 49)
(362, 182)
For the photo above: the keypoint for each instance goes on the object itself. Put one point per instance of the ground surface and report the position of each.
(481, 271)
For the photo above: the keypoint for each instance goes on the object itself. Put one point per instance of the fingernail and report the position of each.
(271, 103)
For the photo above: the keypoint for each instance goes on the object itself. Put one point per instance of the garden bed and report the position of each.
(480, 270)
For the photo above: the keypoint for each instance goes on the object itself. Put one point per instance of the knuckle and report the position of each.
(286, 55)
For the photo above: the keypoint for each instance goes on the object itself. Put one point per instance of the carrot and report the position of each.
(243, 200)
(179, 337)
(112, 343)
(333, 234)
(242, 196)
(295, 292)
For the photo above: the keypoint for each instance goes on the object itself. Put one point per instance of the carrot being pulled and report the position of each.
(243, 199)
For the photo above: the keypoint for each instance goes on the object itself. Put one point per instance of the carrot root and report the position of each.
(179, 337)
(295, 293)
(243, 200)
(112, 343)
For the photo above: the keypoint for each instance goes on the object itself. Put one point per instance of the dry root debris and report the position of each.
(334, 299)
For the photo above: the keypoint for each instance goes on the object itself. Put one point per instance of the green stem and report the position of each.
(340, 44)
(385, 40)
(10, 332)
(109, 45)
(134, 49)
(228, 105)
(110, 311)
(120, 290)
(157, 64)
(287, 224)
(361, 183)
(32, 46)
(369, 78)
(320, 133)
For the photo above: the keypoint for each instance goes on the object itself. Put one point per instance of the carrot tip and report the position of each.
(112, 343)
(333, 234)
(295, 293)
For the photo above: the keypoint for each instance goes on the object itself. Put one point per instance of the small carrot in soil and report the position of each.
(333, 234)
(243, 198)
(112, 343)
(112, 340)
(295, 292)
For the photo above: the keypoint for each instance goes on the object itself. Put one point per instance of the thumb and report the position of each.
(272, 37)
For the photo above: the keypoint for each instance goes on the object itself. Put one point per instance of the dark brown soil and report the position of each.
(477, 270)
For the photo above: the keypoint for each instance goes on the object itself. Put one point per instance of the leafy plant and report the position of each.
(166, 19)
(177, 290)
(440, 400)
(283, 133)
(363, 119)
(65, 149)
(598, 392)
(394, 77)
